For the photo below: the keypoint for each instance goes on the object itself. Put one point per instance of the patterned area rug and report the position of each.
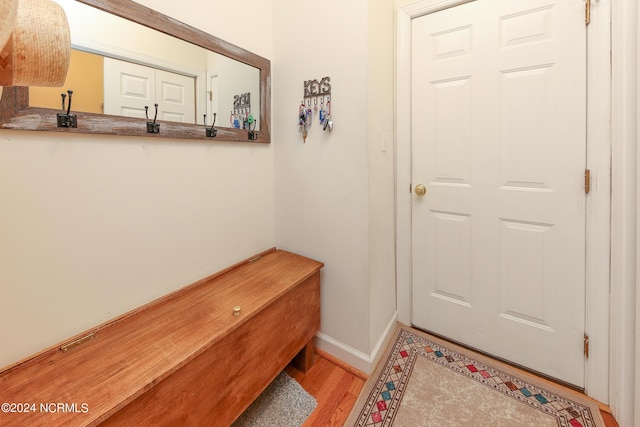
(424, 381)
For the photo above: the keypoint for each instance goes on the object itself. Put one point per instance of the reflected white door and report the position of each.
(175, 95)
(498, 139)
(212, 99)
(129, 87)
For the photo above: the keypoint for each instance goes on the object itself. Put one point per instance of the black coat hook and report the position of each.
(253, 135)
(67, 120)
(152, 127)
(211, 132)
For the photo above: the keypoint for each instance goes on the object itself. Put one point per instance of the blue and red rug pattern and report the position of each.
(385, 397)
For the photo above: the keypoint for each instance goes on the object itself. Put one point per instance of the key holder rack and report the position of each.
(241, 117)
(67, 120)
(211, 132)
(318, 93)
(152, 127)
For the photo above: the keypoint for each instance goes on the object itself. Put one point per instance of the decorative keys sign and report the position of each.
(314, 88)
(242, 101)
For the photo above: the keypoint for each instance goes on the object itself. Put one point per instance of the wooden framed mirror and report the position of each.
(19, 110)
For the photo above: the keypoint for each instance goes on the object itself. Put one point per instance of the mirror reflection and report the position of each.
(118, 67)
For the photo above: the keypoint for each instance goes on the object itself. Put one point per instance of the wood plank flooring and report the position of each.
(336, 387)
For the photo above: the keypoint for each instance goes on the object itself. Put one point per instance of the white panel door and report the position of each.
(498, 139)
(129, 87)
(176, 97)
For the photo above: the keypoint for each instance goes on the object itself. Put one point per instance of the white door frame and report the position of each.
(597, 320)
(624, 45)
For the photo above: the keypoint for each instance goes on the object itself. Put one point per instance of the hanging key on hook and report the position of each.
(309, 116)
(235, 120)
(328, 122)
(302, 121)
(322, 114)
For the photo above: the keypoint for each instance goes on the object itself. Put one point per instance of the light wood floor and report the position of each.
(336, 387)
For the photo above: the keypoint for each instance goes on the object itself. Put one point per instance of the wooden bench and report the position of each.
(185, 359)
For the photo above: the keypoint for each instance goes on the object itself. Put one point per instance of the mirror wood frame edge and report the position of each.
(15, 112)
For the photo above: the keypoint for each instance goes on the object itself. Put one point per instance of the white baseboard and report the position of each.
(381, 345)
(351, 356)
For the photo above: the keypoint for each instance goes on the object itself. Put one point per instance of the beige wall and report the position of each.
(381, 144)
(334, 192)
(321, 185)
(93, 226)
(637, 312)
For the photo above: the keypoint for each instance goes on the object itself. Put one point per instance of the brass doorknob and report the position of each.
(421, 190)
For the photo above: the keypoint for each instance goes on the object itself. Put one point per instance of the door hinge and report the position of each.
(587, 12)
(586, 346)
(587, 181)
(410, 188)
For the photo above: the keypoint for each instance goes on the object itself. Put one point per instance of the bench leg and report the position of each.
(304, 359)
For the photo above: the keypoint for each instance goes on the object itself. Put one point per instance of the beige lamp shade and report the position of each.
(38, 51)
(8, 10)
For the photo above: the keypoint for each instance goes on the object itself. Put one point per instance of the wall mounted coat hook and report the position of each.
(152, 127)
(211, 132)
(253, 135)
(67, 120)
